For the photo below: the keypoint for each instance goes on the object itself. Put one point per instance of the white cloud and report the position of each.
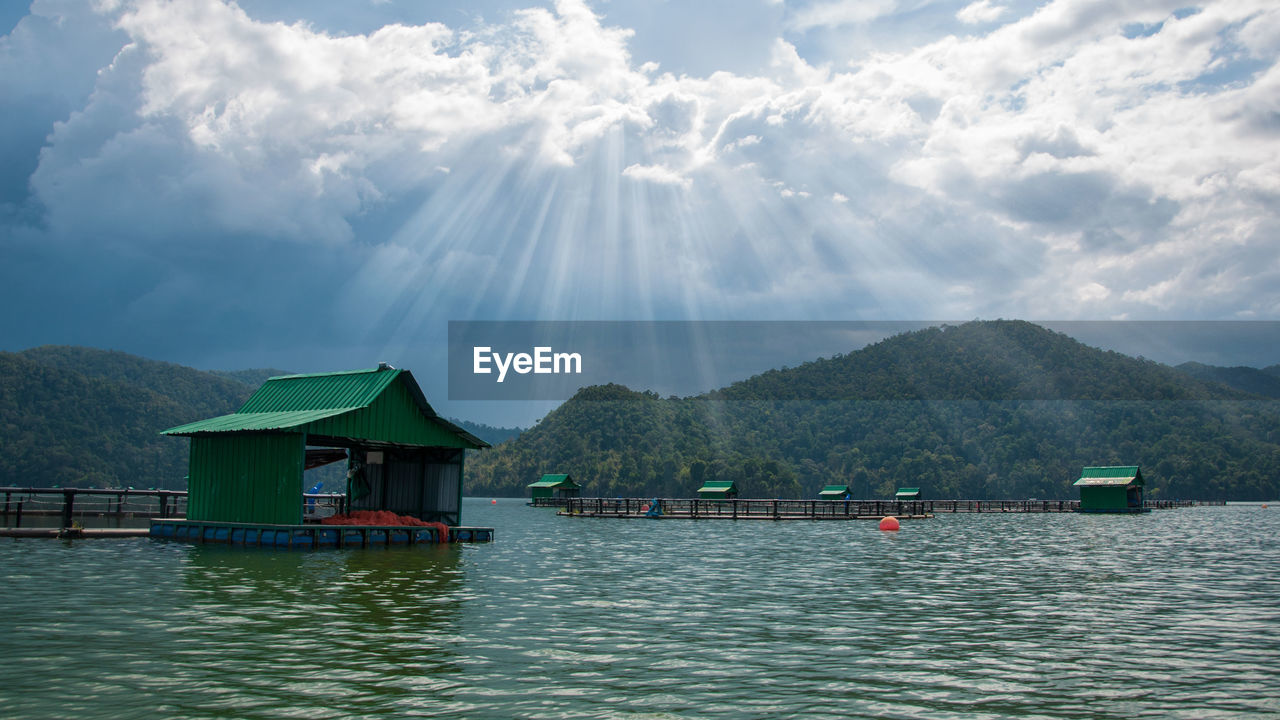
(656, 174)
(837, 13)
(1057, 164)
(980, 12)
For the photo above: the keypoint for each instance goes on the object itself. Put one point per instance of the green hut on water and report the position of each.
(247, 467)
(718, 490)
(835, 492)
(1116, 489)
(559, 487)
(908, 494)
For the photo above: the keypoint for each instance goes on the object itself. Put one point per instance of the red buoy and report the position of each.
(493, 502)
(889, 523)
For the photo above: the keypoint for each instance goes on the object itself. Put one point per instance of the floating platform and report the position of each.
(312, 536)
(780, 516)
(760, 509)
(74, 533)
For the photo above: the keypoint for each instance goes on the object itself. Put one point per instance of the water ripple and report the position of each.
(1174, 614)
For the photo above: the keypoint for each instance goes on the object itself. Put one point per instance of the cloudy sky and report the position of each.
(323, 184)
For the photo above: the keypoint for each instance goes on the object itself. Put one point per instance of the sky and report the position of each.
(325, 184)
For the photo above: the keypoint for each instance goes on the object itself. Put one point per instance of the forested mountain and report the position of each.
(1250, 380)
(1000, 409)
(982, 410)
(79, 417)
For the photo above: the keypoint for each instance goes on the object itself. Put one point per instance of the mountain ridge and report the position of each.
(987, 409)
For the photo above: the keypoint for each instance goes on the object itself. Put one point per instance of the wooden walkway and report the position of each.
(754, 509)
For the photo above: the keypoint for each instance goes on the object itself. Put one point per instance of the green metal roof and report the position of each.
(329, 391)
(292, 402)
(907, 492)
(840, 490)
(718, 486)
(555, 481)
(1119, 475)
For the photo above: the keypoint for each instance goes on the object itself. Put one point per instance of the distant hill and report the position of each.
(1251, 380)
(488, 433)
(79, 417)
(1002, 409)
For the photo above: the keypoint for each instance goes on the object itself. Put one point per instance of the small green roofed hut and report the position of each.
(247, 467)
(554, 486)
(1116, 489)
(905, 494)
(835, 492)
(718, 490)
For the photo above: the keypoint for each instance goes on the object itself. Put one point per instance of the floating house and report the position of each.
(554, 487)
(247, 467)
(1116, 489)
(835, 492)
(908, 494)
(718, 490)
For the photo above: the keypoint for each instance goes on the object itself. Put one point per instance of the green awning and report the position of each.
(908, 494)
(241, 422)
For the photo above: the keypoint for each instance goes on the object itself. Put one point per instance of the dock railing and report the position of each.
(761, 509)
(72, 504)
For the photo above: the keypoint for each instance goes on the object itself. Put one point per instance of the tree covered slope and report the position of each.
(72, 416)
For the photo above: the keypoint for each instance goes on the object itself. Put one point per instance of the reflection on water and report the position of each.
(1173, 614)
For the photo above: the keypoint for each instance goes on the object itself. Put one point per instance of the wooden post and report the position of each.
(18, 518)
(68, 502)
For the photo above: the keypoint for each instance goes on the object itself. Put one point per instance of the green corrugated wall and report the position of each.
(251, 478)
(394, 418)
(1106, 497)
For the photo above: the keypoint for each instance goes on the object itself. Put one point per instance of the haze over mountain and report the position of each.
(1265, 382)
(1001, 409)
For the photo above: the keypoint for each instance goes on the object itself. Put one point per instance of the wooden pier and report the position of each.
(758, 509)
(78, 503)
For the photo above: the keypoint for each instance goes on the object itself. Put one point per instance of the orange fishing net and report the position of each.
(373, 517)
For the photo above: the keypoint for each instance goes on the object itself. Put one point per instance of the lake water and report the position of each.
(1175, 614)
